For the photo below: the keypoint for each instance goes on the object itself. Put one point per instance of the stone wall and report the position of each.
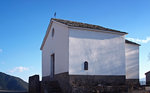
(63, 80)
(34, 84)
(46, 78)
(132, 83)
(93, 80)
(85, 83)
(88, 83)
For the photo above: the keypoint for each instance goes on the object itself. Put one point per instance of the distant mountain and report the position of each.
(142, 79)
(8, 82)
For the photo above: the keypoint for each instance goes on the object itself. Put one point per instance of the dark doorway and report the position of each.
(52, 65)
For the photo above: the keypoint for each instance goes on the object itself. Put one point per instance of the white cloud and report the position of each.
(140, 40)
(19, 69)
(1, 50)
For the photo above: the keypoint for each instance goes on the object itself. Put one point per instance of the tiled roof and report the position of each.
(130, 42)
(147, 72)
(85, 25)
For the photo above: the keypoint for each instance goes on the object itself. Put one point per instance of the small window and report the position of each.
(85, 65)
(53, 31)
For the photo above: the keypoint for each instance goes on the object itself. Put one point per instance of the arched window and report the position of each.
(85, 65)
(53, 31)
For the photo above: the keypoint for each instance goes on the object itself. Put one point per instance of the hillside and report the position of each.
(8, 82)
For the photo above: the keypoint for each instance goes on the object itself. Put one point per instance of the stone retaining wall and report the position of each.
(63, 80)
(89, 84)
(34, 84)
(132, 83)
(93, 83)
(84, 83)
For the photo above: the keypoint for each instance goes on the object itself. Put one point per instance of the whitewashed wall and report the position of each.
(59, 45)
(104, 52)
(132, 61)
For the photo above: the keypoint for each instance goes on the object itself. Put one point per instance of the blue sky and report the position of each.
(23, 24)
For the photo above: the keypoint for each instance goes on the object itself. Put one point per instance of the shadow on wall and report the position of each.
(92, 35)
(132, 64)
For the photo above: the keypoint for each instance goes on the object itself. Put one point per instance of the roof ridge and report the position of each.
(85, 25)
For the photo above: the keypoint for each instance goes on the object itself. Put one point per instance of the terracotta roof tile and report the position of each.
(147, 72)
